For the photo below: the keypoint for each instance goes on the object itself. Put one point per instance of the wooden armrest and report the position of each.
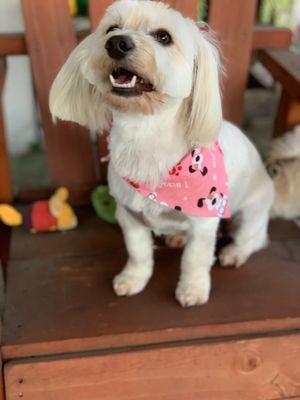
(284, 65)
(15, 43)
(271, 37)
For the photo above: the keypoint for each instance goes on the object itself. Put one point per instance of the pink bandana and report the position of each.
(197, 185)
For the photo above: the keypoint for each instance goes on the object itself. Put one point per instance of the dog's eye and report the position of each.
(274, 169)
(112, 28)
(162, 37)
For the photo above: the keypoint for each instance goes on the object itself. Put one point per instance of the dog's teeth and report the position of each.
(133, 81)
(123, 85)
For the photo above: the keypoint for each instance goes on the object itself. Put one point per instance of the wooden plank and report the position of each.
(12, 44)
(187, 8)
(5, 235)
(233, 21)
(284, 65)
(260, 369)
(266, 37)
(288, 114)
(78, 311)
(2, 397)
(6, 191)
(15, 44)
(97, 9)
(92, 237)
(50, 39)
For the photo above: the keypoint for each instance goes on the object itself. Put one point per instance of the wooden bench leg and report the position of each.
(5, 182)
(288, 114)
(5, 235)
(2, 396)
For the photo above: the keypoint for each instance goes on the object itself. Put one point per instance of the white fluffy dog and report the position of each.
(284, 166)
(156, 75)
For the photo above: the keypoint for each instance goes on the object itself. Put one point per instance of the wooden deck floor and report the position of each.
(60, 298)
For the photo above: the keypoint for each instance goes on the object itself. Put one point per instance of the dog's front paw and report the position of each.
(193, 293)
(232, 256)
(129, 284)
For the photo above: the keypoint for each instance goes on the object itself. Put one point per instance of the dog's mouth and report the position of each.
(127, 83)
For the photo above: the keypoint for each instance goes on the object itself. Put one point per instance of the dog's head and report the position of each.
(143, 58)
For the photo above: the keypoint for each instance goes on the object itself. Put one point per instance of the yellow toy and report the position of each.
(43, 216)
(73, 7)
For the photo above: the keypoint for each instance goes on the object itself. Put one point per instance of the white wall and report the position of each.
(19, 105)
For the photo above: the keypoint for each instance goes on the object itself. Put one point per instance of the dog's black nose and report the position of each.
(119, 46)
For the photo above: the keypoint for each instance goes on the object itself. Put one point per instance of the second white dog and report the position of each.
(156, 75)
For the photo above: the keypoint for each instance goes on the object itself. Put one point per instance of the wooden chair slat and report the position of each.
(96, 10)
(284, 65)
(50, 39)
(271, 37)
(6, 193)
(252, 368)
(225, 18)
(187, 8)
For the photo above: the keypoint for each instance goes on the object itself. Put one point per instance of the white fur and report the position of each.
(151, 134)
(284, 165)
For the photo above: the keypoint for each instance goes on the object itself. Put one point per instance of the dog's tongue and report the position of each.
(123, 76)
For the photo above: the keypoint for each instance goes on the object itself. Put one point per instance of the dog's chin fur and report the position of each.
(152, 132)
(147, 103)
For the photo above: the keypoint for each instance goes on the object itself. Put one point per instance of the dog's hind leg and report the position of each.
(138, 270)
(251, 234)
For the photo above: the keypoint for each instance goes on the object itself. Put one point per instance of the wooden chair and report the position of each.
(67, 336)
(284, 65)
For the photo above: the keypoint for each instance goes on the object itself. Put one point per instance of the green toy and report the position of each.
(104, 204)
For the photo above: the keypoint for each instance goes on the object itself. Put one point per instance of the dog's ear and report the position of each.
(203, 109)
(73, 97)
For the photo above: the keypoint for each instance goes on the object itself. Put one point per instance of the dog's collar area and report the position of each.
(197, 185)
(127, 83)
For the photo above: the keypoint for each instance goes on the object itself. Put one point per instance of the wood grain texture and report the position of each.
(270, 37)
(15, 43)
(288, 114)
(12, 44)
(263, 37)
(5, 240)
(260, 369)
(233, 21)
(284, 65)
(187, 8)
(64, 302)
(2, 396)
(6, 191)
(50, 39)
(97, 9)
